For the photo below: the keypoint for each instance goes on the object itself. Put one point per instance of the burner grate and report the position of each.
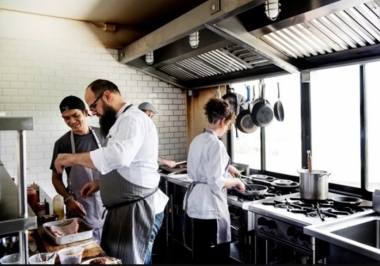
(314, 208)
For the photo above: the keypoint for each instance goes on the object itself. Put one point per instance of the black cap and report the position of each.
(71, 102)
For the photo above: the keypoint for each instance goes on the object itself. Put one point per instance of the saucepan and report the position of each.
(314, 185)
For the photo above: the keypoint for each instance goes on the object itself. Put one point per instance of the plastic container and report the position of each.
(11, 259)
(71, 255)
(58, 207)
(42, 258)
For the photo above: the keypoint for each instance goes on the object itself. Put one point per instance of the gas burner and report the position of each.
(314, 208)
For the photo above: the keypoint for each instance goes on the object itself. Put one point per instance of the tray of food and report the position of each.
(102, 260)
(68, 231)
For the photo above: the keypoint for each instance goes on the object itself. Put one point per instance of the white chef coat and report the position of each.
(132, 150)
(207, 162)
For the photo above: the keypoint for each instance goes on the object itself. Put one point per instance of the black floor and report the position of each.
(176, 253)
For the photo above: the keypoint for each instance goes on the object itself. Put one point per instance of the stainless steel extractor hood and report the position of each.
(238, 42)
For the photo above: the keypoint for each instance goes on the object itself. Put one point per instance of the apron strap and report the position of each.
(107, 208)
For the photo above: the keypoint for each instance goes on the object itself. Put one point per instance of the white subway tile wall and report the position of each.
(35, 75)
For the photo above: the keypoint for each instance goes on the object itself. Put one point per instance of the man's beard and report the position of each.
(107, 120)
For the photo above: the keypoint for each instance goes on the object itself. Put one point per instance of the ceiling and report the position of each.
(146, 15)
(236, 39)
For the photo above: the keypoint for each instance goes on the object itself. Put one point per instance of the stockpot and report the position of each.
(314, 185)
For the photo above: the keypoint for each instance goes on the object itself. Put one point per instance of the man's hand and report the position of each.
(89, 189)
(169, 163)
(240, 186)
(233, 171)
(63, 160)
(75, 209)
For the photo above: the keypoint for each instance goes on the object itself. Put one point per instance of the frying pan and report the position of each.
(252, 189)
(278, 108)
(262, 111)
(255, 190)
(244, 120)
(345, 201)
(285, 184)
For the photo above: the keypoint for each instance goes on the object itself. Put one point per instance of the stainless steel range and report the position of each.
(243, 221)
(281, 219)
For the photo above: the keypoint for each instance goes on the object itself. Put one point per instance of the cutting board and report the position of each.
(45, 244)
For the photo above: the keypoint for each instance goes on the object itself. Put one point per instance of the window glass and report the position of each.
(335, 116)
(283, 139)
(373, 129)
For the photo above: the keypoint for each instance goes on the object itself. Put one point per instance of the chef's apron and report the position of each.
(130, 217)
(220, 199)
(78, 177)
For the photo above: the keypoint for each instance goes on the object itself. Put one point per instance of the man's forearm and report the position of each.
(83, 159)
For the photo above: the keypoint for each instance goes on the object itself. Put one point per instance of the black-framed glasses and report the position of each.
(93, 105)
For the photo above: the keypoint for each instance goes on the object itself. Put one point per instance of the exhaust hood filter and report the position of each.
(221, 61)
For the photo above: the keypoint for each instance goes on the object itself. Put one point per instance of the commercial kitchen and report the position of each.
(309, 160)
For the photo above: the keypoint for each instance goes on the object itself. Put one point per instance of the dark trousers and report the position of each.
(205, 248)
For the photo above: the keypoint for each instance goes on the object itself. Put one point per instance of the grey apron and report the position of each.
(130, 217)
(78, 177)
(220, 199)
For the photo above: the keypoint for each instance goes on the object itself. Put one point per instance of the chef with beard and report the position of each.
(129, 179)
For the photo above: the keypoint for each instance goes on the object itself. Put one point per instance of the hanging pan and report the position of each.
(262, 111)
(244, 120)
(278, 107)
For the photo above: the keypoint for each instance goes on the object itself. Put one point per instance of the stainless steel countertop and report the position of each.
(175, 180)
(326, 230)
(297, 219)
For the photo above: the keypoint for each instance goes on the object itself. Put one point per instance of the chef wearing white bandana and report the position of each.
(206, 199)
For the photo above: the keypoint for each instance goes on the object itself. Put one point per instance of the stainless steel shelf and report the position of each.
(16, 123)
(14, 210)
(10, 222)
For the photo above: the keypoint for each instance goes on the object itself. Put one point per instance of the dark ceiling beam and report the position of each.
(181, 49)
(348, 57)
(292, 12)
(233, 30)
(184, 25)
(240, 76)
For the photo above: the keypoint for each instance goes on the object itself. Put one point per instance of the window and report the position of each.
(283, 139)
(335, 123)
(373, 129)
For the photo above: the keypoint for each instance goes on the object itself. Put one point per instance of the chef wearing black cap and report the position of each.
(81, 138)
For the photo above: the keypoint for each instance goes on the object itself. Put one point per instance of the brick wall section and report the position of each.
(35, 75)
